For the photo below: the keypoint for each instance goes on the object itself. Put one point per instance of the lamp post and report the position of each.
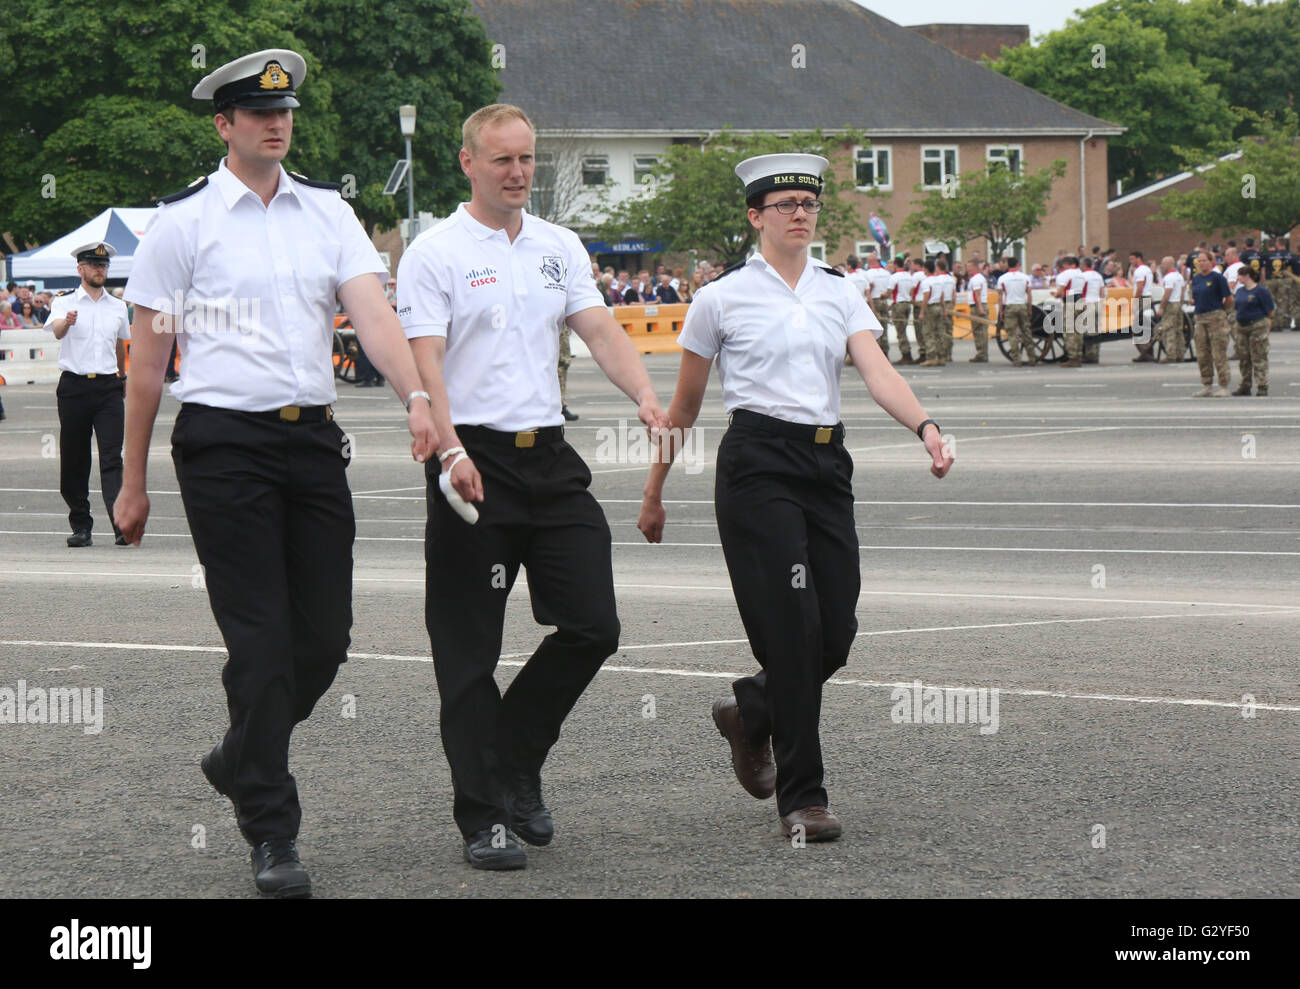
(406, 116)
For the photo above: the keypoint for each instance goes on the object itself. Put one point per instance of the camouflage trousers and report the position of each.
(980, 334)
(1286, 296)
(1016, 331)
(881, 308)
(1082, 319)
(1211, 342)
(1171, 332)
(566, 358)
(932, 333)
(945, 335)
(1252, 353)
(899, 314)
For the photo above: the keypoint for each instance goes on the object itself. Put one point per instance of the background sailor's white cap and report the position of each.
(97, 252)
(763, 173)
(265, 80)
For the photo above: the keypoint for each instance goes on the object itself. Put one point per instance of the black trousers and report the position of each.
(538, 513)
(89, 405)
(785, 516)
(271, 514)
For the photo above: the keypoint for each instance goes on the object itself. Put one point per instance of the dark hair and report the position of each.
(1250, 241)
(1012, 261)
(941, 264)
(928, 265)
(1085, 263)
(1137, 254)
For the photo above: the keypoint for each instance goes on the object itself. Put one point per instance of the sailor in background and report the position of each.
(92, 326)
(778, 326)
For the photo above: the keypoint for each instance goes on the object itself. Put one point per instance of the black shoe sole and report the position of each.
(294, 891)
(531, 837)
(497, 863)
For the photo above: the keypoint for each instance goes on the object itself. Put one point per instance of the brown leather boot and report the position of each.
(755, 768)
(818, 824)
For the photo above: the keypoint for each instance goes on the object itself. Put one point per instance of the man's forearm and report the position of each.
(59, 328)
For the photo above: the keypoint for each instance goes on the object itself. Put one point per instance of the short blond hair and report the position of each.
(487, 116)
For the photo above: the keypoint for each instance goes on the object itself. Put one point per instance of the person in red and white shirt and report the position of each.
(1094, 293)
(978, 285)
(1143, 298)
(1069, 289)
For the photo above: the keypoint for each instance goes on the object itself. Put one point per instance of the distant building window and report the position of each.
(872, 168)
(817, 250)
(595, 169)
(544, 171)
(1005, 155)
(866, 247)
(938, 165)
(641, 167)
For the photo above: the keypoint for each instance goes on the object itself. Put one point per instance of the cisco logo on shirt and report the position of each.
(478, 277)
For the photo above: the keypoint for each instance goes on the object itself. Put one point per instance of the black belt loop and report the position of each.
(524, 439)
(758, 422)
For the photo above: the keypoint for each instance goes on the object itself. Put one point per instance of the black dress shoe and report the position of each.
(277, 871)
(218, 774)
(530, 818)
(501, 855)
(80, 538)
(568, 416)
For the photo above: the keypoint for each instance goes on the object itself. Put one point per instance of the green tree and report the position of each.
(695, 202)
(433, 54)
(997, 204)
(1109, 65)
(98, 97)
(1258, 191)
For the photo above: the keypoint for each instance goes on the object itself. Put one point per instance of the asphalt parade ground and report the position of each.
(1117, 559)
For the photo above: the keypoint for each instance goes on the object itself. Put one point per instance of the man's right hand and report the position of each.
(652, 519)
(70, 316)
(130, 512)
(466, 479)
(419, 420)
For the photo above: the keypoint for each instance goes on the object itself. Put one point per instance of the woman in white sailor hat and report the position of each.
(778, 326)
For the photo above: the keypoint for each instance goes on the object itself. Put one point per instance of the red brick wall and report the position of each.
(974, 40)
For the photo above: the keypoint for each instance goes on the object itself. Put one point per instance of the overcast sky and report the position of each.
(1041, 15)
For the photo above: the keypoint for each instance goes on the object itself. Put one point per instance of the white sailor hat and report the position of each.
(96, 252)
(763, 173)
(265, 80)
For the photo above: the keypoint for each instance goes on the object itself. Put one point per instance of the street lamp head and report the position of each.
(406, 115)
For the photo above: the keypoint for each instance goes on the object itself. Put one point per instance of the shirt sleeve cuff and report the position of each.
(424, 330)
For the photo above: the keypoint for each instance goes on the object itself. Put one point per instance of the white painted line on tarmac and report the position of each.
(514, 659)
(1009, 436)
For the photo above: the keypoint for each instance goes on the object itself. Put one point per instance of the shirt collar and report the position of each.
(757, 258)
(232, 188)
(483, 232)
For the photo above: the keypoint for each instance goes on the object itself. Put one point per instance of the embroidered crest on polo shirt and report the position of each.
(273, 77)
(481, 276)
(554, 268)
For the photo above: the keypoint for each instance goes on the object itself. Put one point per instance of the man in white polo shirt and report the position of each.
(978, 285)
(1143, 298)
(482, 296)
(92, 326)
(1013, 289)
(901, 286)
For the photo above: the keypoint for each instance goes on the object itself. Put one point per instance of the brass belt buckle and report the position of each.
(290, 413)
(90, 376)
(823, 434)
(525, 439)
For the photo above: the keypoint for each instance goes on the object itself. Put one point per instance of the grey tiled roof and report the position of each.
(696, 65)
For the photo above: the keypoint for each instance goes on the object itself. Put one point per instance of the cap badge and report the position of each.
(273, 77)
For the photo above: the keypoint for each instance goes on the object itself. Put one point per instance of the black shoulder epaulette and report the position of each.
(728, 270)
(832, 271)
(66, 291)
(332, 186)
(189, 190)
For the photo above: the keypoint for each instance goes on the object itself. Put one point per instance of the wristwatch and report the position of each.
(920, 430)
(417, 394)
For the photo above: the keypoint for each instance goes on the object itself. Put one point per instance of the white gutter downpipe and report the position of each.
(1083, 194)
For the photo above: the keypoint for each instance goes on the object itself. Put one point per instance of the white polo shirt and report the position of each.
(1142, 273)
(90, 345)
(978, 286)
(947, 286)
(1174, 282)
(1094, 286)
(1071, 279)
(500, 306)
(779, 351)
(880, 282)
(254, 286)
(859, 280)
(1230, 273)
(902, 284)
(1015, 284)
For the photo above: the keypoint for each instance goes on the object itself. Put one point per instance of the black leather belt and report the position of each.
(289, 413)
(92, 377)
(790, 430)
(522, 440)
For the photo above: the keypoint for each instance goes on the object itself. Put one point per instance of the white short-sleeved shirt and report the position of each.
(254, 287)
(947, 286)
(1094, 286)
(1174, 282)
(500, 306)
(929, 289)
(859, 280)
(90, 345)
(1142, 273)
(1071, 279)
(903, 285)
(779, 351)
(1016, 285)
(880, 282)
(977, 286)
(1230, 273)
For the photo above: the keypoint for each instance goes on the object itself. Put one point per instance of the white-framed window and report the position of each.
(544, 171)
(865, 247)
(595, 169)
(938, 165)
(1017, 250)
(1009, 155)
(641, 166)
(873, 167)
(817, 250)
